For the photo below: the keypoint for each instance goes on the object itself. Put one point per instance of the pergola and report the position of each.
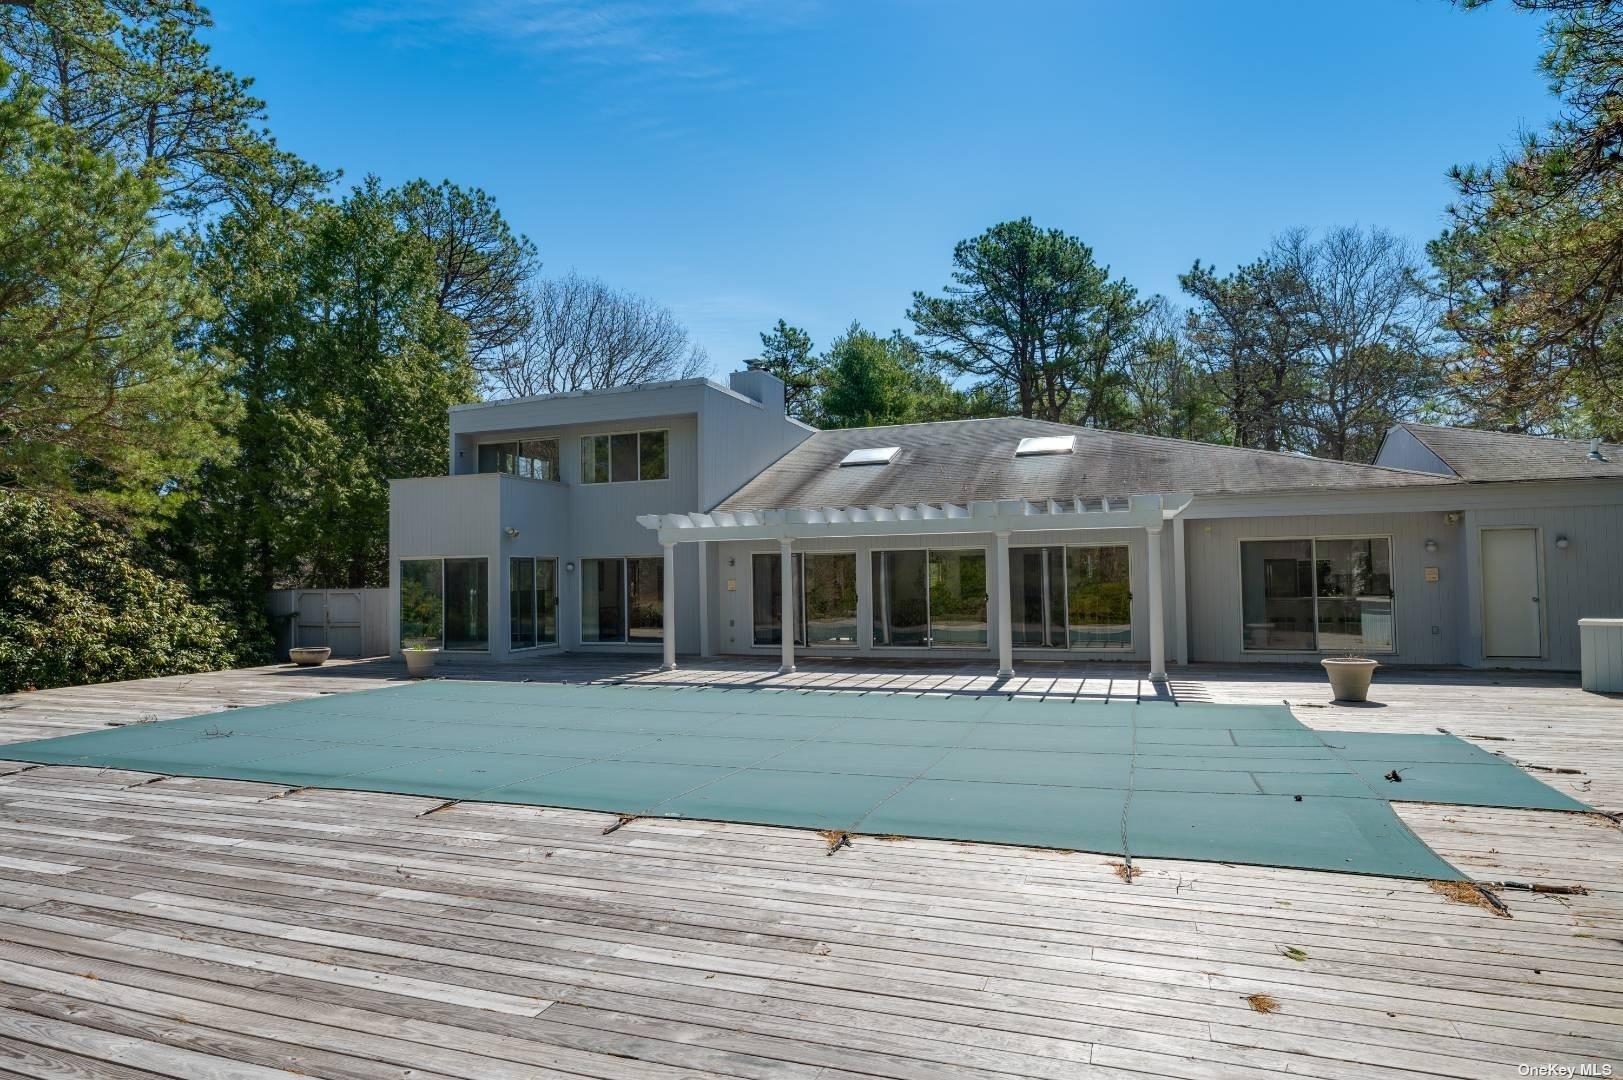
(1001, 518)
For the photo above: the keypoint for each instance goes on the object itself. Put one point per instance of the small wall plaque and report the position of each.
(732, 584)
(1431, 574)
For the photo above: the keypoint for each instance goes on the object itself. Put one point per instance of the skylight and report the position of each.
(872, 455)
(1046, 444)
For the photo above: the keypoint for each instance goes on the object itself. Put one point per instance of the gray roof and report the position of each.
(1494, 455)
(963, 460)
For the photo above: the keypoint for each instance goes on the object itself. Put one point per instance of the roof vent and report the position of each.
(1046, 444)
(872, 455)
(1594, 451)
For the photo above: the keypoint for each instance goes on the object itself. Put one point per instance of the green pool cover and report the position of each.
(1227, 783)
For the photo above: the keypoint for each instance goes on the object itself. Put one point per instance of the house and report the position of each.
(689, 517)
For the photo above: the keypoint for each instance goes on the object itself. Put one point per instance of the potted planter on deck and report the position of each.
(309, 655)
(419, 661)
(1349, 676)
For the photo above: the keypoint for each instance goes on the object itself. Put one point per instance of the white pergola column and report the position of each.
(786, 612)
(669, 605)
(705, 651)
(1158, 630)
(1001, 605)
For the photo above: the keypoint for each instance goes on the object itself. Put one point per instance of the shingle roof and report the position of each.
(959, 461)
(1493, 455)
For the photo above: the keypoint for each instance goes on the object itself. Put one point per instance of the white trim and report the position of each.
(909, 520)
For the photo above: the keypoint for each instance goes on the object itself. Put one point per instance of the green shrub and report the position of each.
(77, 607)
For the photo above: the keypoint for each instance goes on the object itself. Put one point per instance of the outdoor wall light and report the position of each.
(1562, 542)
(730, 560)
(1431, 545)
(569, 568)
(512, 533)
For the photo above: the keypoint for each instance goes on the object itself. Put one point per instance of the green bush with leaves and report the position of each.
(77, 607)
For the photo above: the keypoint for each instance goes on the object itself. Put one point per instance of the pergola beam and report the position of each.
(924, 519)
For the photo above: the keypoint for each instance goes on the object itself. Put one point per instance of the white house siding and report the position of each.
(1428, 616)
(468, 513)
(1583, 581)
(732, 608)
(438, 517)
(1401, 450)
(738, 439)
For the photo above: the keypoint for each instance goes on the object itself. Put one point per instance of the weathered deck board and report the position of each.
(201, 928)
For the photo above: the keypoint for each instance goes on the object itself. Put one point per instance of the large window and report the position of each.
(622, 600)
(625, 456)
(825, 598)
(829, 611)
(1037, 597)
(958, 598)
(532, 604)
(901, 591)
(422, 604)
(1099, 597)
(445, 603)
(535, 459)
(1332, 594)
(467, 604)
(1073, 597)
(766, 599)
(924, 598)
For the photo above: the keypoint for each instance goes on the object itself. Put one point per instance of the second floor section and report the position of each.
(682, 444)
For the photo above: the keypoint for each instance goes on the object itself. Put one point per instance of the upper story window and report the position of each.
(625, 455)
(536, 459)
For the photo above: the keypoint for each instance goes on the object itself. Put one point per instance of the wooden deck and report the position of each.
(190, 928)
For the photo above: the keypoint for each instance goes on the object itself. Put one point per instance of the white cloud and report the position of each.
(677, 42)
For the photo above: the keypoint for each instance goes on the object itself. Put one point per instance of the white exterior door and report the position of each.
(1512, 624)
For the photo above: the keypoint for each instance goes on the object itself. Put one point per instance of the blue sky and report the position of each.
(742, 160)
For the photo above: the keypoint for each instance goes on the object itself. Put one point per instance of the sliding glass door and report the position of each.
(1077, 597)
(532, 602)
(445, 604)
(825, 598)
(766, 599)
(901, 589)
(1037, 597)
(830, 599)
(1099, 597)
(1317, 594)
(928, 598)
(622, 600)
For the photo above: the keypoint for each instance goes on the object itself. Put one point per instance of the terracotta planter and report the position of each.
(309, 655)
(419, 663)
(1349, 677)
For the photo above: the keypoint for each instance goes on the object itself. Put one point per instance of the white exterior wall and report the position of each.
(1427, 616)
(467, 513)
(1583, 581)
